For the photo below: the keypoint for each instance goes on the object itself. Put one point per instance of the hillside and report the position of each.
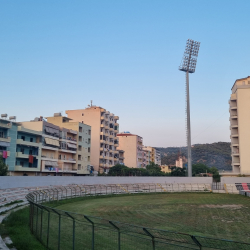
(215, 154)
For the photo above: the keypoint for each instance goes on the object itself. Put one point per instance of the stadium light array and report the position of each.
(188, 65)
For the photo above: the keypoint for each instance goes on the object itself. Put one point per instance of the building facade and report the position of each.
(239, 104)
(132, 146)
(78, 134)
(104, 140)
(155, 156)
(20, 148)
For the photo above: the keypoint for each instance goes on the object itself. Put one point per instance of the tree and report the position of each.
(3, 167)
(199, 168)
(178, 171)
(119, 170)
(154, 169)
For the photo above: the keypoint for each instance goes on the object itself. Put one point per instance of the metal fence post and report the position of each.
(73, 229)
(150, 235)
(59, 229)
(196, 241)
(93, 231)
(36, 220)
(41, 223)
(119, 234)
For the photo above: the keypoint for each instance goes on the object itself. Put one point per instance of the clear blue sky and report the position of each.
(124, 55)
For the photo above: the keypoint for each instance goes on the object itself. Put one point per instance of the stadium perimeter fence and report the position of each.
(63, 230)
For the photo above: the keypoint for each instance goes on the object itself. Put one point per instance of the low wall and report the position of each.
(36, 181)
(232, 180)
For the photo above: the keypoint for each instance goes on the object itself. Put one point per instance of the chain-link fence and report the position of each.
(59, 230)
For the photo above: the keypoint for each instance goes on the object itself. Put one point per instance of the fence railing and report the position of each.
(63, 230)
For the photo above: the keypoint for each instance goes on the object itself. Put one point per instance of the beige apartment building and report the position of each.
(104, 140)
(64, 149)
(155, 156)
(133, 152)
(240, 126)
(146, 156)
(82, 139)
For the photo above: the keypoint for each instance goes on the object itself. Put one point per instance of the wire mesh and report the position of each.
(57, 229)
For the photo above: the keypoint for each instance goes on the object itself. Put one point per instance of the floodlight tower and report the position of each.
(188, 65)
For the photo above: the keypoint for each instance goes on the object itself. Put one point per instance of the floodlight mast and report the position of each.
(188, 65)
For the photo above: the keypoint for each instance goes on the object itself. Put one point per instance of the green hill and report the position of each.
(213, 155)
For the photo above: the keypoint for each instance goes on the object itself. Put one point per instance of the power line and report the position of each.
(210, 125)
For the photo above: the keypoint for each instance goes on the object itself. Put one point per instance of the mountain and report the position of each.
(216, 154)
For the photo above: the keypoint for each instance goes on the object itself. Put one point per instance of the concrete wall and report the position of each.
(232, 180)
(36, 181)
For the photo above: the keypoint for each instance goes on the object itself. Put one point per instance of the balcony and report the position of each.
(25, 156)
(68, 139)
(8, 152)
(67, 150)
(233, 107)
(234, 135)
(28, 143)
(236, 164)
(116, 117)
(102, 117)
(5, 125)
(233, 97)
(47, 158)
(234, 117)
(20, 168)
(68, 160)
(5, 139)
(105, 157)
(29, 131)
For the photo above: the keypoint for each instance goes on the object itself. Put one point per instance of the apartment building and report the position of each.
(155, 156)
(58, 157)
(20, 148)
(239, 104)
(75, 135)
(120, 157)
(146, 156)
(132, 146)
(104, 140)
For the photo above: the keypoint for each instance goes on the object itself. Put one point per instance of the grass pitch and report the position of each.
(224, 216)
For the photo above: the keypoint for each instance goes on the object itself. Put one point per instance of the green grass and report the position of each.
(16, 227)
(208, 214)
(205, 214)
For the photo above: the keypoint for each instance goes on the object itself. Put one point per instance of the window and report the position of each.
(23, 138)
(82, 114)
(79, 166)
(100, 137)
(1, 134)
(80, 138)
(88, 141)
(89, 132)
(88, 158)
(30, 152)
(21, 163)
(22, 150)
(80, 148)
(79, 157)
(88, 150)
(30, 165)
(64, 157)
(31, 139)
(60, 157)
(80, 129)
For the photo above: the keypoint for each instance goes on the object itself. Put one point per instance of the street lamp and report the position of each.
(188, 65)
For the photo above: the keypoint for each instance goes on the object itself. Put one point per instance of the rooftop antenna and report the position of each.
(91, 103)
(188, 65)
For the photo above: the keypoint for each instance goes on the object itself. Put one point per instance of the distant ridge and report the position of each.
(216, 154)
